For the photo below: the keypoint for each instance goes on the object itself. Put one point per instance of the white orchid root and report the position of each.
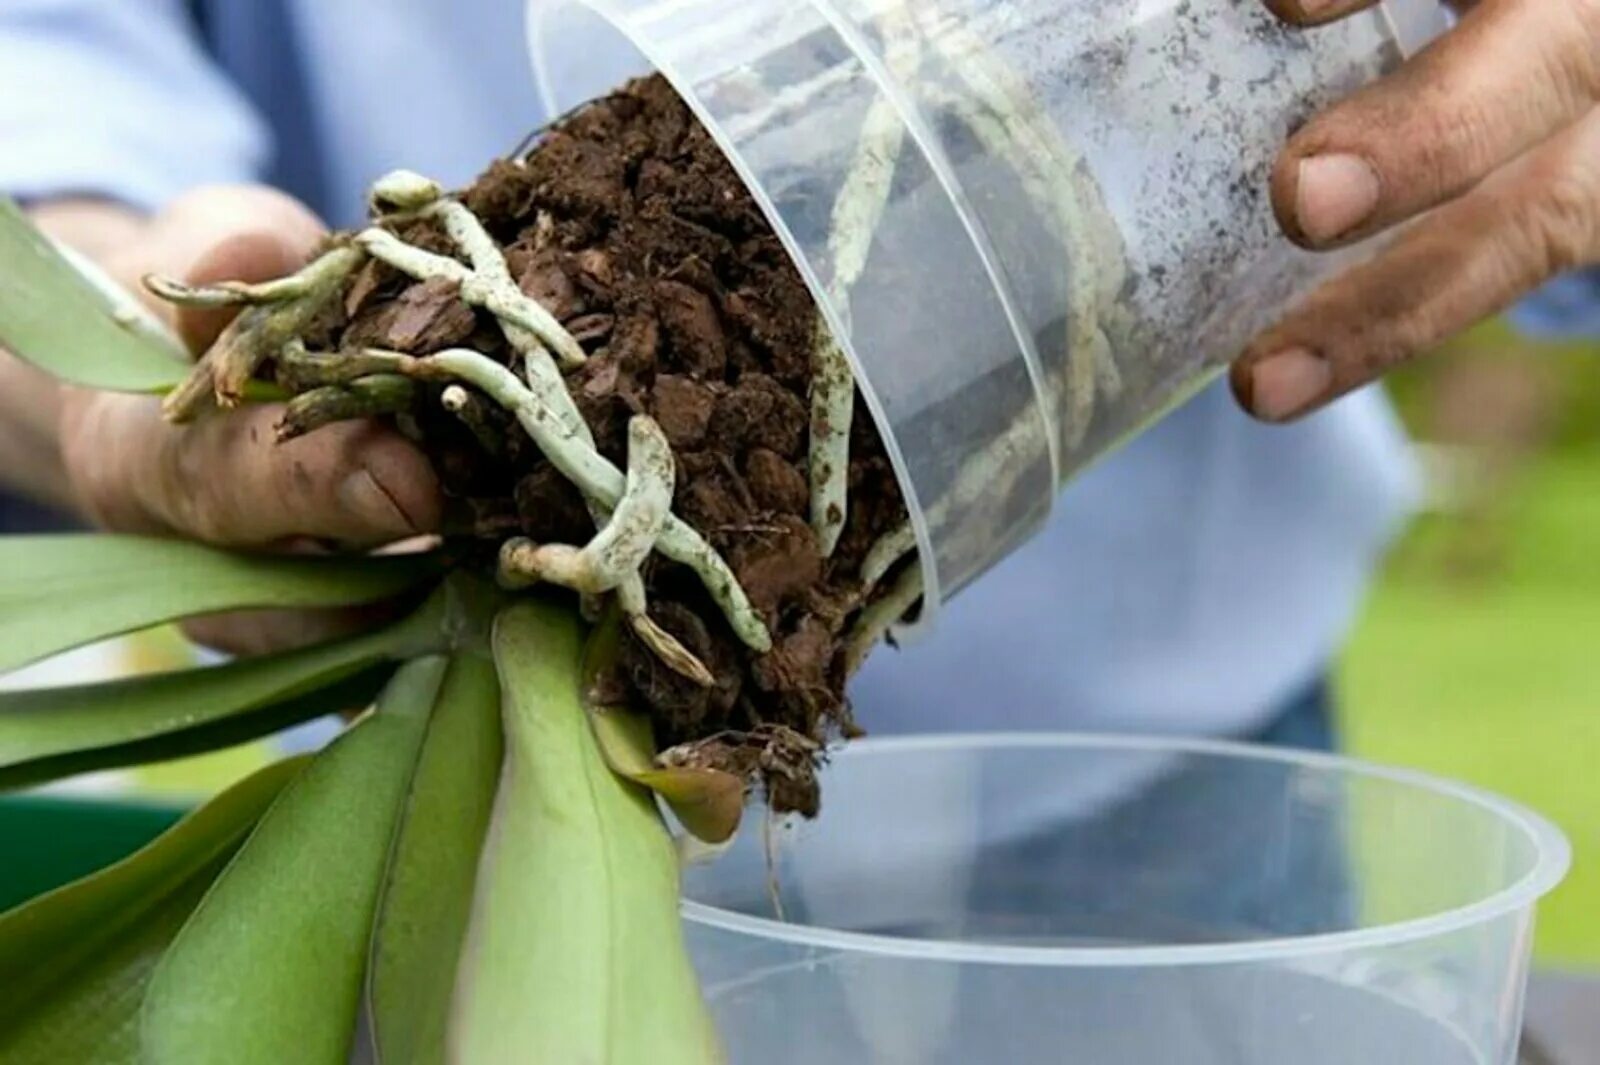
(623, 543)
(856, 215)
(274, 314)
(487, 284)
(572, 453)
(632, 511)
(611, 561)
(299, 370)
(544, 407)
(881, 615)
(664, 645)
(885, 552)
(363, 397)
(229, 293)
(471, 411)
(996, 107)
(833, 396)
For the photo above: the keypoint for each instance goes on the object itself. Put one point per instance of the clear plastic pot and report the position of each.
(1078, 233)
(1024, 900)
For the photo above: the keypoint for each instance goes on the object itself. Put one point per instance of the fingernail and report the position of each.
(1337, 193)
(1285, 384)
(1319, 8)
(366, 501)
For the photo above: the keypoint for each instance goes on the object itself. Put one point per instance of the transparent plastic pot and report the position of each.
(1023, 900)
(1078, 234)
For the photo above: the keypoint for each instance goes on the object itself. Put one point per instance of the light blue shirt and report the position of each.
(1566, 308)
(1191, 583)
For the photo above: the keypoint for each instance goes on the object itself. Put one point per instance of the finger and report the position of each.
(1321, 12)
(1513, 73)
(1316, 12)
(217, 233)
(260, 632)
(229, 481)
(1537, 218)
(249, 257)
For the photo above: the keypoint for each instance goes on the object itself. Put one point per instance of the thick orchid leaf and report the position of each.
(64, 317)
(93, 1019)
(75, 962)
(433, 867)
(269, 969)
(709, 803)
(47, 733)
(575, 952)
(61, 592)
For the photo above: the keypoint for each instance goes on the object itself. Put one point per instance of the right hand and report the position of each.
(1477, 156)
(225, 479)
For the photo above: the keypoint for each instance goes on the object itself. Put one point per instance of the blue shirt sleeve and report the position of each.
(116, 98)
(1567, 307)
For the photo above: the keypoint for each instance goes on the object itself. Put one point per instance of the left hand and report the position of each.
(227, 480)
(1492, 135)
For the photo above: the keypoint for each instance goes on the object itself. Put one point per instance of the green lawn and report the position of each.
(1494, 677)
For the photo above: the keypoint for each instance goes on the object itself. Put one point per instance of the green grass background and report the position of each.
(1492, 676)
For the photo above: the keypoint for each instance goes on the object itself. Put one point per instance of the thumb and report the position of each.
(1460, 264)
(217, 233)
(226, 479)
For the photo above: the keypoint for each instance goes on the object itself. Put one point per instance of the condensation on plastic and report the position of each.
(1078, 235)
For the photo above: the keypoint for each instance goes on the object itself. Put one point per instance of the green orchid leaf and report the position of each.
(61, 592)
(66, 318)
(270, 967)
(48, 733)
(575, 952)
(75, 962)
(433, 866)
(709, 803)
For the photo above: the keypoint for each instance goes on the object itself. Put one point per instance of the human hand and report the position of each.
(1492, 135)
(226, 480)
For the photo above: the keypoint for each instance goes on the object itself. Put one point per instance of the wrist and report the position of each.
(30, 420)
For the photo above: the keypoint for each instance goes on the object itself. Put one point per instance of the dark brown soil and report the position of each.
(626, 221)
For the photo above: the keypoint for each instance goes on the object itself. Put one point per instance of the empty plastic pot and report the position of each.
(1024, 900)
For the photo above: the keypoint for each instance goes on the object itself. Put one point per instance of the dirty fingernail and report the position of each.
(1316, 12)
(1337, 194)
(1320, 8)
(366, 501)
(1285, 384)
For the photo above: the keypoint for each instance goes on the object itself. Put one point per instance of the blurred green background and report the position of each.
(1478, 655)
